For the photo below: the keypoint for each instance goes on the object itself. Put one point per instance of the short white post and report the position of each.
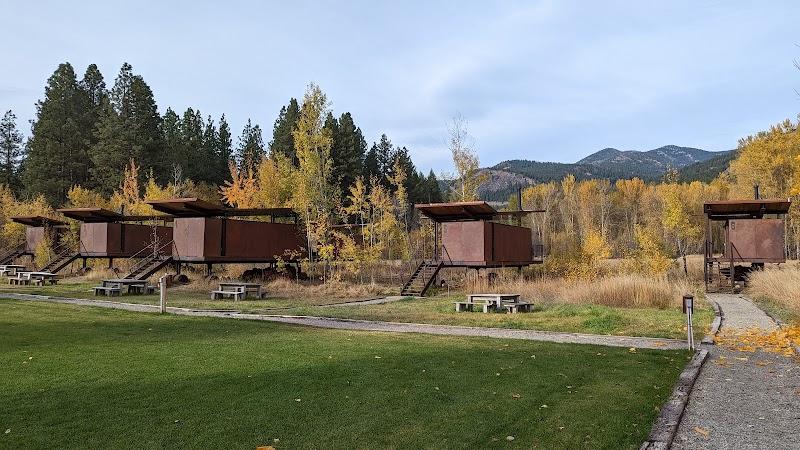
(688, 309)
(162, 293)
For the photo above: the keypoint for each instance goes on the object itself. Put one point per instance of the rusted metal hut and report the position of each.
(108, 234)
(752, 233)
(473, 235)
(36, 228)
(206, 233)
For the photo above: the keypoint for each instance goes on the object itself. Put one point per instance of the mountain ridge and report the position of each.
(609, 163)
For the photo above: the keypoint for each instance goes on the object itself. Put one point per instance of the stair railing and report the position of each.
(11, 250)
(59, 252)
(145, 261)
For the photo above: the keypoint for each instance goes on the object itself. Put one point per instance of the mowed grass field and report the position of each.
(82, 377)
(564, 317)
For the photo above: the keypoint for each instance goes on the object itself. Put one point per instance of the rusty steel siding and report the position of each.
(94, 238)
(248, 239)
(757, 240)
(189, 237)
(119, 240)
(211, 239)
(510, 244)
(464, 241)
(485, 243)
(33, 236)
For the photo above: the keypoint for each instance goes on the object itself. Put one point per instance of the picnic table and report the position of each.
(34, 277)
(494, 302)
(11, 269)
(115, 286)
(238, 290)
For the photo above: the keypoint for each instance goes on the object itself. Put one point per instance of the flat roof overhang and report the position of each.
(102, 215)
(195, 207)
(37, 221)
(745, 209)
(464, 211)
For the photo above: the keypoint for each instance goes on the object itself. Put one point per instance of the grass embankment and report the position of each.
(78, 377)
(777, 289)
(548, 315)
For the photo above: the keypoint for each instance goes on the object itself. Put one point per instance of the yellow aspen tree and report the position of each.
(315, 192)
(240, 190)
(466, 162)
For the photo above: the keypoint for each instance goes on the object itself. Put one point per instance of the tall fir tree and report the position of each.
(192, 139)
(282, 137)
(347, 150)
(96, 97)
(379, 160)
(129, 128)
(251, 147)
(172, 138)
(209, 156)
(57, 150)
(224, 149)
(11, 150)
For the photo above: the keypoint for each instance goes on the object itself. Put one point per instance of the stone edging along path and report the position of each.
(666, 425)
(395, 327)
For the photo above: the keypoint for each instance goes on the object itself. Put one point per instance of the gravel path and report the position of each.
(743, 400)
(394, 327)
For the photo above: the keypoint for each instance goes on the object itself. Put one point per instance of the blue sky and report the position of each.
(547, 80)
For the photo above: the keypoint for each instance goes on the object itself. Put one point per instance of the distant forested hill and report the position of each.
(692, 164)
(709, 169)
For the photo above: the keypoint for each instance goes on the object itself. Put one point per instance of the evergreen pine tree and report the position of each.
(172, 139)
(96, 96)
(57, 150)
(348, 151)
(385, 157)
(129, 128)
(371, 166)
(192, 142)
(224, 148)
(433, 190)
(251, 147)
(209, 156)
(282, 138)
(11, 151)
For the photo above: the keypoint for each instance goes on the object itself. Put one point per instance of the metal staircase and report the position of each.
(150, 264)
(422, 278)
(8, 255)
(60, 261)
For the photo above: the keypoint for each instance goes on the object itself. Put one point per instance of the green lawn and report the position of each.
(80, 377)
(571, 318)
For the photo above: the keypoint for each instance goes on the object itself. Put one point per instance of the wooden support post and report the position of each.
(110, 263)
(209, 269)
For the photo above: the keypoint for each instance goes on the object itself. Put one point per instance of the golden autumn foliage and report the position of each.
(781, 341)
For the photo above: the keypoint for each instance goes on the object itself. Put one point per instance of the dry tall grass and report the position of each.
(626, 291)
(779, 284)
(285, 288)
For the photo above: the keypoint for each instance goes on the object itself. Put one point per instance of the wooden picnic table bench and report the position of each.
(40, 278)
(107, 290)
(256, 289)
(132, 286)
(11, 269)
(235, 292)
(494, 302)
